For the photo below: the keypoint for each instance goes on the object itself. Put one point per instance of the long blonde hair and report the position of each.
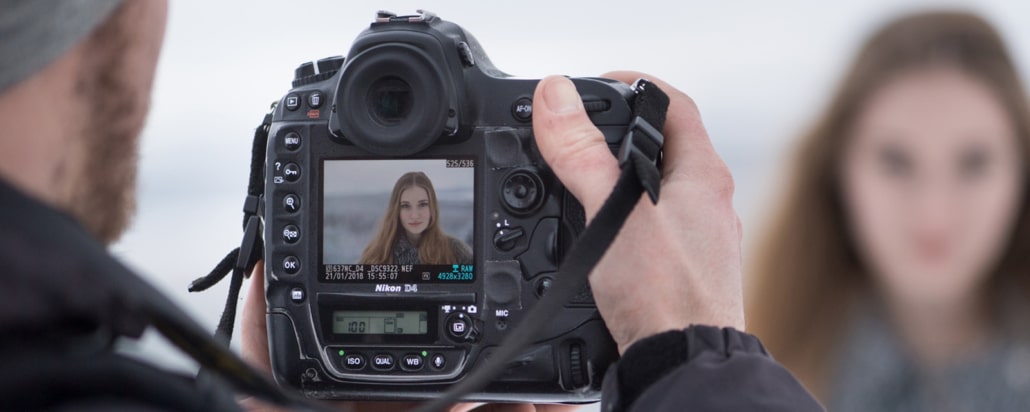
(806, 276)
(434, 246)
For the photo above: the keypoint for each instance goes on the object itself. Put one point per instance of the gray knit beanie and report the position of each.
(35, 32)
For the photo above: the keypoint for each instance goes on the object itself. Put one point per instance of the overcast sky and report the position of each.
(759, 71)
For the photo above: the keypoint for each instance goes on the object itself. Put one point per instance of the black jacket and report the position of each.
(64, 300)
(702, 369)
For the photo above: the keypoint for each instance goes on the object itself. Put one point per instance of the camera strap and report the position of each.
(639, 159)
(640, 163)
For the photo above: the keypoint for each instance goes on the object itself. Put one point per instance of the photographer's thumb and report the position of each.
(571, 145)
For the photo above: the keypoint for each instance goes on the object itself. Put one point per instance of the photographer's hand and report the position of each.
(254, 348)
(673, 264)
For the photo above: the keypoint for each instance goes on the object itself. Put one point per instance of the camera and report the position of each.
(410, 223)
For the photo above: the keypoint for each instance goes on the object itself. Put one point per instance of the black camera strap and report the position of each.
(640, 162)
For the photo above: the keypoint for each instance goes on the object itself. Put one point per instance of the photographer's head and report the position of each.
(911, 186)
(75, 81)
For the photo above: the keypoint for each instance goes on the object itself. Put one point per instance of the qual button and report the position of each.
(383, 362)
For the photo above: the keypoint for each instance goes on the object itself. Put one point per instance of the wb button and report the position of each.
(412, 362)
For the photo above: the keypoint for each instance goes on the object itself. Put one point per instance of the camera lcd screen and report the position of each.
(407, 221)
(353, 322)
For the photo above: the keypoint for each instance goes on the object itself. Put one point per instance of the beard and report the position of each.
(103, 194)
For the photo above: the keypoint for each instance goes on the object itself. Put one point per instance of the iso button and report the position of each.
(354, 362)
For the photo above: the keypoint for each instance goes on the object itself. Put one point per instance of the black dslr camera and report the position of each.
(410, 223)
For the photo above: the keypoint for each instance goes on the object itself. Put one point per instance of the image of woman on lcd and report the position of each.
(410, 232)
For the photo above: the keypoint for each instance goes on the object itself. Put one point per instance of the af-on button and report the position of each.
(522, 109)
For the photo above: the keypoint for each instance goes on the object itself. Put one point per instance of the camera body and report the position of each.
(382, 287)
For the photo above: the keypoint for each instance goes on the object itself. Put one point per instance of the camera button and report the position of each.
(439, 361)
(465, 53)
(291, 203)
(291, 265)
(297, 295)
(292, 102)
(315, 99)
(412, 362)
(291, 233)
(383, 361)
(354, 362)
(458, 327)
(292, 141)
(522, 109)
(522, 192)
(505, 238)
(292, 172)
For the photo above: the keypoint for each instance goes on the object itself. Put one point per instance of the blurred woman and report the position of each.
(894, 275)
(410, 232)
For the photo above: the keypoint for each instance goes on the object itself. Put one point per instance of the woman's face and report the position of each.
(415, 213)
(932, 182)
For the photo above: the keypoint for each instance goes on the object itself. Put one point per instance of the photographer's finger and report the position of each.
(253, 331)
(687, 144)
(573, 147)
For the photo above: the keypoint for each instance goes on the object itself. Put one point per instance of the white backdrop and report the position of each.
(759, 70)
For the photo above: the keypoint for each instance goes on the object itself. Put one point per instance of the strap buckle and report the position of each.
(642, 149)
